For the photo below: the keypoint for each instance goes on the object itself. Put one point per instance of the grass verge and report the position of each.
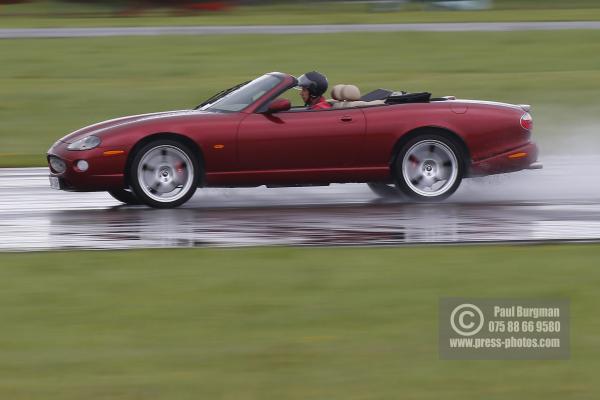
(280, 323)
(51, 87)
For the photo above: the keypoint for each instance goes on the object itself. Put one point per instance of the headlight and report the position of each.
(87, 143)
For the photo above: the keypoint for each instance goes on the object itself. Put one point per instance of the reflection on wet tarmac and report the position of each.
(528, 206)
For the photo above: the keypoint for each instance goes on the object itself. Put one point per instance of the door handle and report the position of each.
(346, 118)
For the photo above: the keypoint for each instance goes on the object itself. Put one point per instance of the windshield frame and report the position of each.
(213, 101)
(217, 96)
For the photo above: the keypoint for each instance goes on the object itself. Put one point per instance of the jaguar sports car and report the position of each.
(401, 144)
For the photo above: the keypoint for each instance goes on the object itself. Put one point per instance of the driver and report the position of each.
(313, 85)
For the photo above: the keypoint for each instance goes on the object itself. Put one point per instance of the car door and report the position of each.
(301, 140)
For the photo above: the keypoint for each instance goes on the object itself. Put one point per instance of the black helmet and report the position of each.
(315, 82)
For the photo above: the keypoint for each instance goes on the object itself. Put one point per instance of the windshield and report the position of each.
(241, 96)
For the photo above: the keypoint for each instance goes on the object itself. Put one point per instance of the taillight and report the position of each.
(527, 121)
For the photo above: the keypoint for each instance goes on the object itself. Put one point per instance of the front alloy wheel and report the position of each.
(164, 174)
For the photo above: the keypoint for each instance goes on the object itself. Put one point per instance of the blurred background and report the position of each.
(283, 323)
(138, 7)
(53, 86)
(112, 8)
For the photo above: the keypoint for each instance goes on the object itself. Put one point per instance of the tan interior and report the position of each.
(347, 96)
(336, 92)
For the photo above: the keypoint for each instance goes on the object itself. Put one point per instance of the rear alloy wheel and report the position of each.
(164, 174)
(429, 168)
(125, 196)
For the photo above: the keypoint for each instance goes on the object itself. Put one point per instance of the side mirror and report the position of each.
(279, 105)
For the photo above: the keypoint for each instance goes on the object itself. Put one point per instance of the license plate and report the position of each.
(54, 183)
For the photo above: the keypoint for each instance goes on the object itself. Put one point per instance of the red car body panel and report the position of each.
(251, 147)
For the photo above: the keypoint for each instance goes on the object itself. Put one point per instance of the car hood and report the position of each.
(105, 126)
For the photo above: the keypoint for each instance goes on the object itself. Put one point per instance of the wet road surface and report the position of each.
(14, 33)
(560, 202)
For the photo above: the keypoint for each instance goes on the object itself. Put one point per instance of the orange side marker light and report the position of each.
(218, 146)
(518, 155)
(113, 153)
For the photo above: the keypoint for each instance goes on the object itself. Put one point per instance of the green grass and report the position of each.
(281, 323)
(44, 14)
(51, 87)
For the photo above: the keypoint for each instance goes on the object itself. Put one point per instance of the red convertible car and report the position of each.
(401, 144)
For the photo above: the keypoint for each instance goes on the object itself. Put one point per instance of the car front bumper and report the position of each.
(105, 172)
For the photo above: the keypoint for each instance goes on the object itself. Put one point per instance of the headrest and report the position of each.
(336, 92)
(350, 93)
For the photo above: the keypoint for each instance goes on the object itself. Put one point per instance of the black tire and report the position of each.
(140, 175)
(441, 156)
(125, 196)
(385, 190)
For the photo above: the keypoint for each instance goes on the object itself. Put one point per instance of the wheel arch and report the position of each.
(183, 139)
(437, 130)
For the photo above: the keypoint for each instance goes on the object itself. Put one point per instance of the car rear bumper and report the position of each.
(522, 157)
(104, 173)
